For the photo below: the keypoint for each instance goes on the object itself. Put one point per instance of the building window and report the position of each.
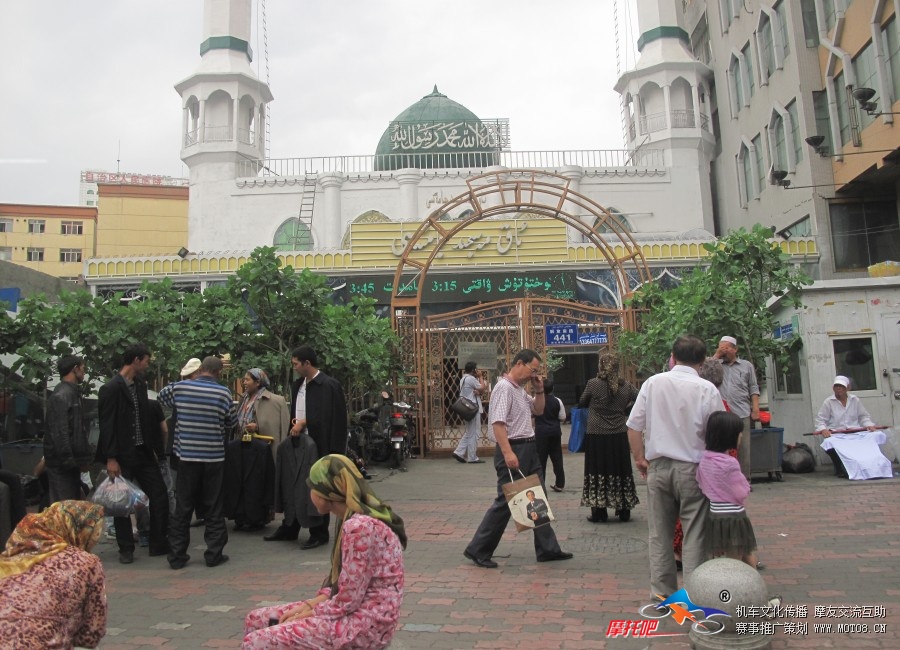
(782, 27)
(863, 234)
(765, 45)
(5, 252)
(853, 358)
(72, 228)
(823, 117)
(810, 26)
(760, 162)
(747, 64)
(779, 149)
(737, 86)
(789, 382)
(35, 255)
(293, 235)
(36, 226)
(70, 255)
(843, 108)
(864, 67)
(830, 14)
(6, 225)
(745, 176)
(796, 140)
(892, 54)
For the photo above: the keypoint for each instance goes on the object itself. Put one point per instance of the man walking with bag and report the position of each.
(510, 419)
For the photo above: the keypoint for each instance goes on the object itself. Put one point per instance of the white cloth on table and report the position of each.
(860, 454)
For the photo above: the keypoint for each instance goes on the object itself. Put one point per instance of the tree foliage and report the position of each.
(264, 312)
(729, 297)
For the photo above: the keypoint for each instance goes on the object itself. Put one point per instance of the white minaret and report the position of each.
(666, 102)
(224, 110)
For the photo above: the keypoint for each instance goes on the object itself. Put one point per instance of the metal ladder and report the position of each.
(308, 202)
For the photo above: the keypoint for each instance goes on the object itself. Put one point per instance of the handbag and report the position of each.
(579, 424)
(527, 502)
(464, 408)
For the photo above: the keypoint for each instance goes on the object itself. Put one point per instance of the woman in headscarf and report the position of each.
(608, 478)
(52, 586)
(358, 605)
(261, 411)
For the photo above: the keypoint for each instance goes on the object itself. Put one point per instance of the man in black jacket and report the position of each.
(318, 409)
(129, 438)
(67, 452)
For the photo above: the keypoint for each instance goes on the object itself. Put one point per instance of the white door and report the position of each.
(890, 326)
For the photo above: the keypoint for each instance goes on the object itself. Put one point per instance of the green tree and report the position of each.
(745, 271)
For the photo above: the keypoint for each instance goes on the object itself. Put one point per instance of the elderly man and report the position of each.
(666, 431)
(740, 390)
(855, 454)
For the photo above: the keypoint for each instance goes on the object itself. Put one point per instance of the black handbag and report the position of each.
(464, 408)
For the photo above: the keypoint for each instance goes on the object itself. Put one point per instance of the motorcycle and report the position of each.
(381, 431)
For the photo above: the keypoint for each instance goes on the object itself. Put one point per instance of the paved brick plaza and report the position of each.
(825, 541)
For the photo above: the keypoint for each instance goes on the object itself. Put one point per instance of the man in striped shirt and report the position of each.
(206, 416)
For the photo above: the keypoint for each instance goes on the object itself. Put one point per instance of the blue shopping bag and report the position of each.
(579, 425)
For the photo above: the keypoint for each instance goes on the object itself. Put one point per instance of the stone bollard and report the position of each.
(727, 585)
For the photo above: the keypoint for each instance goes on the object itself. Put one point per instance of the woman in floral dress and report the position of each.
(358, 606)
(52, 591)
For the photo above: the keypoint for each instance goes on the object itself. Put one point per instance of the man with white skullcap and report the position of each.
(741, 391)
(855, 455)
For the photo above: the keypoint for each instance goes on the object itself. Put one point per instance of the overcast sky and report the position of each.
(84, 79)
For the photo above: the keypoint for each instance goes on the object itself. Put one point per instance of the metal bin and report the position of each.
(766, 447)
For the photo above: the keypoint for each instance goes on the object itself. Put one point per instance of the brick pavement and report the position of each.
(826, 542)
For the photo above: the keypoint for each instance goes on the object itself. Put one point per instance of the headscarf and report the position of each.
(42, 535)
(336, 478)
(608, 370)
(247, 408)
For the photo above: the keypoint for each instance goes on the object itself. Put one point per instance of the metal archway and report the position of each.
(492, 195)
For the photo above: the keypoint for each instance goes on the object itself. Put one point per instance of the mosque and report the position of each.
(474, 249)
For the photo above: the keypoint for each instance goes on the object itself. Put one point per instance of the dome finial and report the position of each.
(435, 93)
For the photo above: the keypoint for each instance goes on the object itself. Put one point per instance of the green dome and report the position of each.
(435, 132)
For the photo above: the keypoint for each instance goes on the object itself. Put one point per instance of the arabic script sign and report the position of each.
(418, 136)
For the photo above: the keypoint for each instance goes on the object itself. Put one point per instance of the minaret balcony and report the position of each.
(219, 134)
(677, 119)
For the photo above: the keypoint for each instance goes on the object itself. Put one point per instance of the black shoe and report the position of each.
(477, 460)
(312, 542)
(221, 560)
(198, 522)
(459, 458)
(177, 565)
(252, 528)
(156, 552)
(556, 488)
(126, 557)
(598, 515)
(679, 565)
(282, 534)
(624, 515)
(238, 526)
(487, 563)
(553, 557)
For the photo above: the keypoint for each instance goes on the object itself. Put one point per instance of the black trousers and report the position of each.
(144, 470)
(64, 483)
(551, 446)
(201, 486)
(839, 469)
(16, 497)
(489, 532)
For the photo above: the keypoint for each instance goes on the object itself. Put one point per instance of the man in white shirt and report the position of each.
(666, 431)
(855, 455)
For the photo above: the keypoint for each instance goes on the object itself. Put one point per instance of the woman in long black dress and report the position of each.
(608, 477)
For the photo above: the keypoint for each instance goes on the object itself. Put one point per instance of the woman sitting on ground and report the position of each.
(54, 594)
(358, 605)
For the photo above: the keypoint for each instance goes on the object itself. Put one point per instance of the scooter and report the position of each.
(380, 432)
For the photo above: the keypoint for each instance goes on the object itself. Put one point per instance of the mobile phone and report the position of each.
(273, 620)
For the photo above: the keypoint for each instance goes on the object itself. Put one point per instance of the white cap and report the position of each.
(192, 365)
(843, 381)
(728, 339)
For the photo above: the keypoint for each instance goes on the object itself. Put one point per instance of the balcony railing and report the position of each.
(476, 162)
(678, 119)
(217, 134)
(653, 122)
(247, 136)
(682, 119)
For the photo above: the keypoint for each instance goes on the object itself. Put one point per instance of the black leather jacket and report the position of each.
(66, 441)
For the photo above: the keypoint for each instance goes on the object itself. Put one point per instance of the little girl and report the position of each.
(728, 530)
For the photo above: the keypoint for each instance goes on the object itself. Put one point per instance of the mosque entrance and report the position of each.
(434, 349)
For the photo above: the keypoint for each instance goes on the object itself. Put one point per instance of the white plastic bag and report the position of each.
(119, 497)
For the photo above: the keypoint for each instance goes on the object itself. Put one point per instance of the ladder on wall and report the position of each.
(308, 202)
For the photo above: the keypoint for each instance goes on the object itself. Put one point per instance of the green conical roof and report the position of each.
(428, 117)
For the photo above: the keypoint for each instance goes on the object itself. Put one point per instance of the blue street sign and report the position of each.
(566, 334)
(597, 338)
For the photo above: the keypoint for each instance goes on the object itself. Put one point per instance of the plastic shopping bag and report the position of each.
(579, 425)
(119, 497)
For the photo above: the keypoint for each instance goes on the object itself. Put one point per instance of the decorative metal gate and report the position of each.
(430, 346)
(499, 330)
